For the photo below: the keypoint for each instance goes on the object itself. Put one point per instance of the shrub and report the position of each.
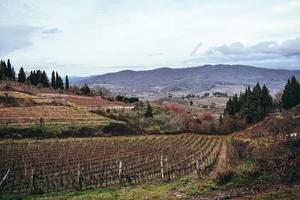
(118, 129)
(9, 101)
(224, 177)
(248, 169)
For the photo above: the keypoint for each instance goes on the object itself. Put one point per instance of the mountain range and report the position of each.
(194, 80)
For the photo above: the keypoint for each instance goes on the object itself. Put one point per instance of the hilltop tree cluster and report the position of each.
(291, 93)
(35, 77)
(252, 105)
(127, 99)
(56, 81)
(7, 72)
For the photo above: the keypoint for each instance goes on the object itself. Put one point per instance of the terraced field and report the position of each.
(84, 101)
(72, 164)
(50, 116)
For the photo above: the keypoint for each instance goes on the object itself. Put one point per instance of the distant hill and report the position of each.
(178, 81)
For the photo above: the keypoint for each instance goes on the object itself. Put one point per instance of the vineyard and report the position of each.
(48, 116)
(85, 101)
(75, 164)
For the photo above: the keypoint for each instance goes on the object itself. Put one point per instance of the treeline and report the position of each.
(35, 77)
(7, 72)
(252, 105)
(127, 99)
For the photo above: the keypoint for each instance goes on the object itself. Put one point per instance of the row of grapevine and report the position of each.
(50, 115)
(73, 164)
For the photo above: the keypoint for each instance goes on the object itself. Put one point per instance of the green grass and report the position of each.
(287, 193)
(179, 189)
(147, 191)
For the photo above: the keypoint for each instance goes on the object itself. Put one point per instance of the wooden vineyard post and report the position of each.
(162, 171)
(78, 177)
(32, 180)
(198, 168)
(120, 172)
(25, 173)
(200, 164)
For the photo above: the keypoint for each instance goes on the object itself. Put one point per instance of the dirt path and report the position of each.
(222, 164)
(223, 161)
(248, 193)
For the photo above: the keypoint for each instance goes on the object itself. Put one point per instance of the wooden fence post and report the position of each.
(78, 176)
(120, 171)
(32, 179)
(162, 171)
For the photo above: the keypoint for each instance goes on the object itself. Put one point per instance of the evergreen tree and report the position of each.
(266, 100)
(53, 80)
(249, 111)
(235, 104)
(9, 70)
(85, 90)
(21, 75)
(44, 79)
(256, 101)
(13, 74)
(229, 107)
(67, 83)
(291, 93)
(4, 70)
(148, 112)
(252, 104)
(242, 99)
(59, 82)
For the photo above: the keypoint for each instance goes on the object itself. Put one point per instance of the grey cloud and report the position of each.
(267, 48)
(263, 54)
(291, 47)
(52, 31)
(15, 37)
(231, 49)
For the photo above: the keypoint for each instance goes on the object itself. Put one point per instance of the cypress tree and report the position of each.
(44, 79)
(256, 100)
(266, 100)
(252, 104)
(67, 83)
(229, 107)
(57, 80)
(8, 70)
(291, 93)
(249, 111)
(13, 74)
(53, 80)
(235, 104)
(148, 112)
(21, 75)
(3, 70)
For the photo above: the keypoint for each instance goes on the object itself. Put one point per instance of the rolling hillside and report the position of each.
(164, 81)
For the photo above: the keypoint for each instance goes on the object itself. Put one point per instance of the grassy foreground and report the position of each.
(145, 191)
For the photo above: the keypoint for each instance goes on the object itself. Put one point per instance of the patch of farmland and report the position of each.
(72, 164)
(49, 115)
(84, 101)
(18, 95)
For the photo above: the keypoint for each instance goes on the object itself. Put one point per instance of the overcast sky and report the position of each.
(83, 37)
